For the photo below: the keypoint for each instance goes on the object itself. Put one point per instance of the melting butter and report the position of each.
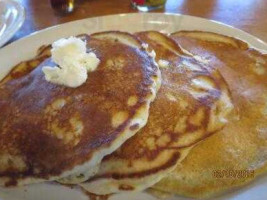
(73, 63)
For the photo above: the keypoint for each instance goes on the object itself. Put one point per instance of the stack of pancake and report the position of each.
(159, 111)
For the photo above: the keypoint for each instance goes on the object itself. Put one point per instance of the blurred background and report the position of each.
(248, 15)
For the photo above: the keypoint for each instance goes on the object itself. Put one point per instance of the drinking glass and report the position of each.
(147, 5)
(62, 6)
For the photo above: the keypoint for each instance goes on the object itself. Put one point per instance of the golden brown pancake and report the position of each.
(25, 67)
(238, 153)
(191, 105)
(50, 131)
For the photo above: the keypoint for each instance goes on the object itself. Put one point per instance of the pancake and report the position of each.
(238, 153)
(50, 131)
(25, 67)
(191, 105)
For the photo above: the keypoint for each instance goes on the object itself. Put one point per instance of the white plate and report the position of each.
(16, 52)
(11, 19)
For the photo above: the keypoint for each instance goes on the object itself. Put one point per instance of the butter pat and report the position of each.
(73, 63)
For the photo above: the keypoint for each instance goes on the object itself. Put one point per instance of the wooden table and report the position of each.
(248, 15)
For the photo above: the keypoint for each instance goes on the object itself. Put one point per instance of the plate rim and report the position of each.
(133, 14)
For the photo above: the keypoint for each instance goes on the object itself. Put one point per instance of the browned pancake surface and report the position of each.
(241, 147)
(186, 110)
(47, 129)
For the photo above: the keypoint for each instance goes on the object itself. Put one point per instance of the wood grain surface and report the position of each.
(248, 15)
